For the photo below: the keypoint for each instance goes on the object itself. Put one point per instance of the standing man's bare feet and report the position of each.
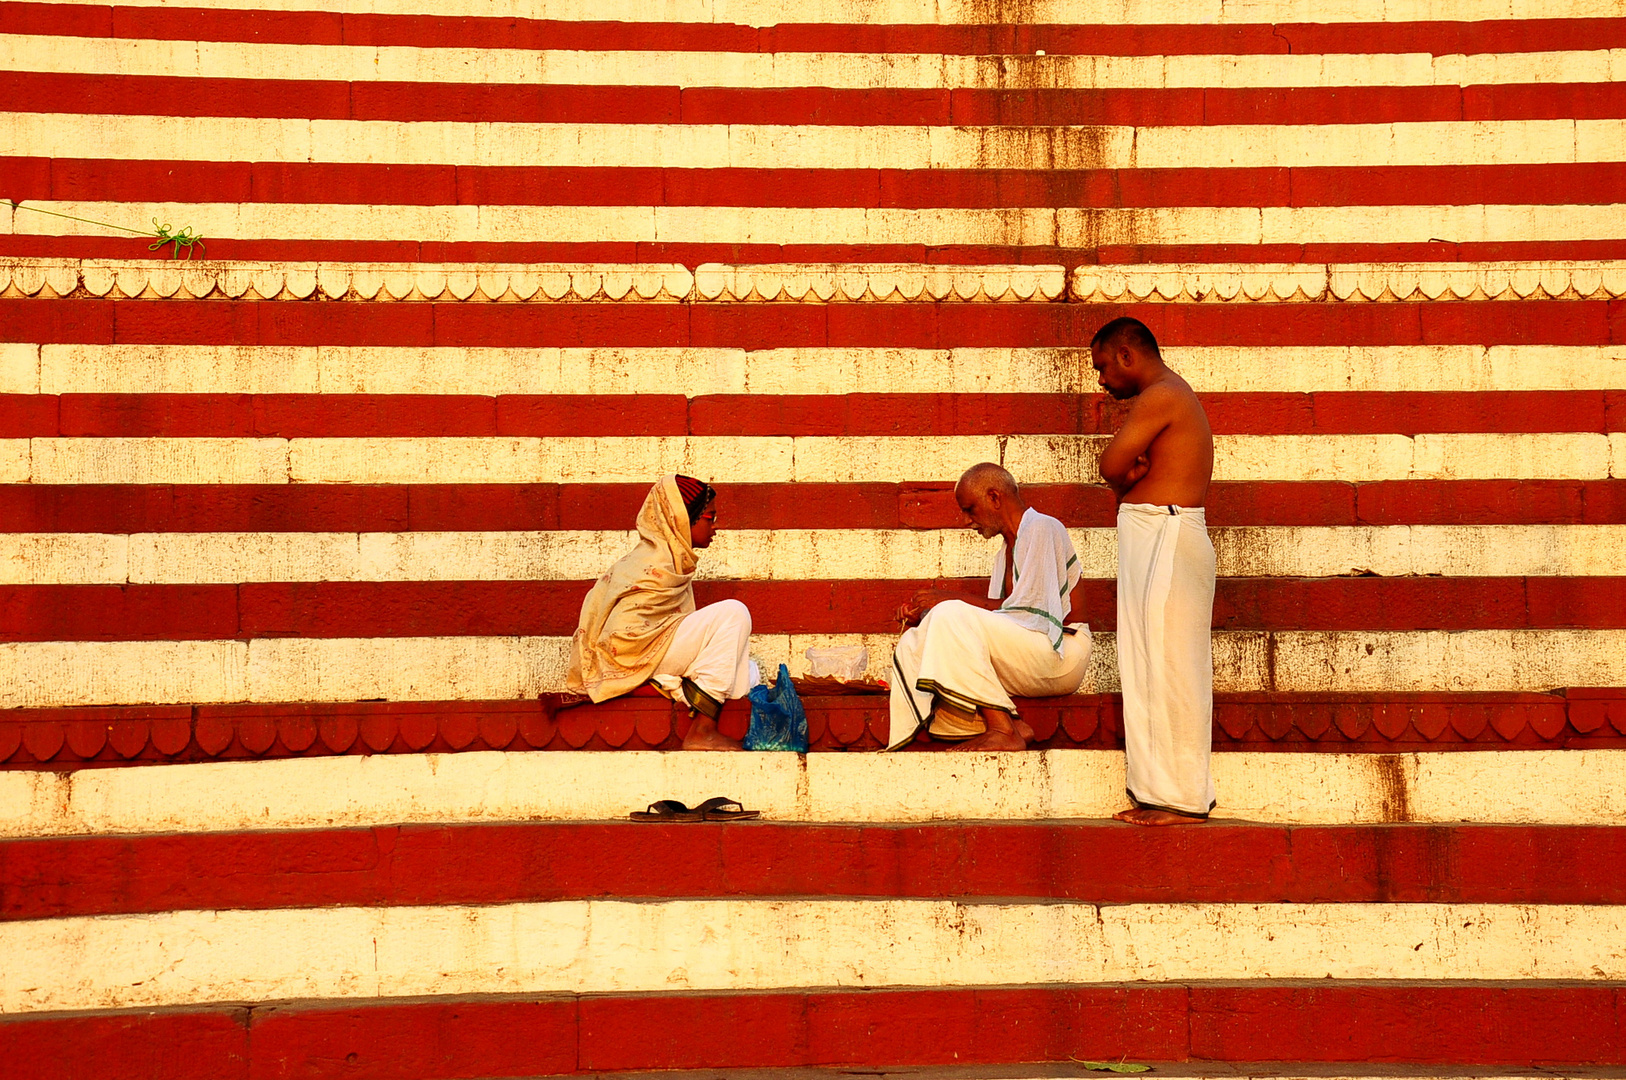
(1005, 732)
(703, 735)
(1146, 816)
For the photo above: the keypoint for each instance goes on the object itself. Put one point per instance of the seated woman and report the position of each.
(639, 623)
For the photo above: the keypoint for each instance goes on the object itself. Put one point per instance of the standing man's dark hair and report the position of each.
(1130, 332)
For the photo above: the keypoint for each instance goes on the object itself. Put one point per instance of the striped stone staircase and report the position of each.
(293, 531)
(479, 914)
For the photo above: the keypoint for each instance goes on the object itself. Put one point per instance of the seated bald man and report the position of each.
(955, 670)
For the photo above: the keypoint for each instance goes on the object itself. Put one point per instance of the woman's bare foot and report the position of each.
(1147, 816)
(703, 735)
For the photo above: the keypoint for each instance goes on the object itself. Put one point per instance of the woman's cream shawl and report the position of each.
(630, 616)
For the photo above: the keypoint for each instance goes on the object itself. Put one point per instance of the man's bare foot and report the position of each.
(1005, 732)
(1025, 730)
(1147, 816)
(993, 740)
(703, 735)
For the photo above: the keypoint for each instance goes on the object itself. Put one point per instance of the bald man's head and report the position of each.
(990, 499)
(986, 475)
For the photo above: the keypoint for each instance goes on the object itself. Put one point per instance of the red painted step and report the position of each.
(21, 245)
(1102, 863)
(166, 95)
(1360, 1023)
(316, 609)
(746, 325)
(142, 508)
(293, 416)
(97, 737)
(1438, 37)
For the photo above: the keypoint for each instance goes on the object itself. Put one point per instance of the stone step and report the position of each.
(1535, 787)
(1092, 862)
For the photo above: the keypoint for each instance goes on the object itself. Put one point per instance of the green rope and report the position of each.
(185, 239)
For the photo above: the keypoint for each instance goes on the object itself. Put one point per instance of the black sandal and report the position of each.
(716, 809)
(668, 810)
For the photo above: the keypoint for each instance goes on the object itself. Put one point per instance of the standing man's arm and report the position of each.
(1126, 460)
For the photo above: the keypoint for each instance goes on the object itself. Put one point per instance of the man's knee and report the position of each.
(949, 611)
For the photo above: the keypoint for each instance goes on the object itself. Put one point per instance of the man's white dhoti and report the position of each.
(974, 658)
(712, 649)
(1165, 655)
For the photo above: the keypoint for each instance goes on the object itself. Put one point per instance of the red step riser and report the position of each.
(756, 326)
(334, 28)
(132, 508)
(407, 102)
(212, 415)
(23, 245)
(113, 736)
(326, 609)
(1361, 1023)
(1106, 864)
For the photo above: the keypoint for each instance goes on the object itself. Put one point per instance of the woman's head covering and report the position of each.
(630, 615)
(697, 495)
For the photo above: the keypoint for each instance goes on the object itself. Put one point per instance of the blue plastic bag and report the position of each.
(778, 721)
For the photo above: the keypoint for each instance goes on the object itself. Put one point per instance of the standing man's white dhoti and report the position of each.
(1165, 655)
(973, 658)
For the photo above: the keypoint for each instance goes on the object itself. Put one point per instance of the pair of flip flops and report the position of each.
(714, 809)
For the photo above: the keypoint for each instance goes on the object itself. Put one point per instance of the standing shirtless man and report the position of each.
(1159, 465)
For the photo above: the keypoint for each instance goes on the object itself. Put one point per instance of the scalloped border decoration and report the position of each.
(1349, 282)
(812, 282)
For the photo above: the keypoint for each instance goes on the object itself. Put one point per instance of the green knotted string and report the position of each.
(183, 241)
